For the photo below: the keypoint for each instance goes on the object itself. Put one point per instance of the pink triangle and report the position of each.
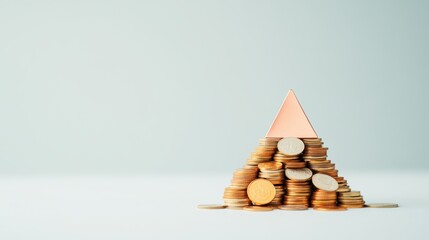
(291, 120)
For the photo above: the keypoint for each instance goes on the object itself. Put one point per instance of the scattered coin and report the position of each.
(324, 182)
(258, 208)
(212, 206)
(261, 191)
(382, 205)
(290, 146)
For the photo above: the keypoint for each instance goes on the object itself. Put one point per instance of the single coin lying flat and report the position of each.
(211, 206)
(381, 205)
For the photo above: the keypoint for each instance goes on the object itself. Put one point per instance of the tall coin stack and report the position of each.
(325, 194)
(346, 197)
(235, 196)
(352, 199)
(273, 172)
(298, 187)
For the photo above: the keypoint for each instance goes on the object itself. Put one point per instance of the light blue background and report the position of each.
(186, 86)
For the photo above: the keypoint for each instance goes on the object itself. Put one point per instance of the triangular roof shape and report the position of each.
(291, 120)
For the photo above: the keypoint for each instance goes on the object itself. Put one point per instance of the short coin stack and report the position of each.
(235, 196)
(263, 153)
(325, 195)
(351, 199)
(342, 185)
(298, 187)
(273, 172)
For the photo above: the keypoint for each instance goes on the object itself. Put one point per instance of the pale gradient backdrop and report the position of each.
(189, 86)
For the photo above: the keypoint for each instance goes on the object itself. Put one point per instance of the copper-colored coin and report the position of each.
(270, 166)
(293, 207)
(353, 193)
(333, 208)
(257, 208)
(352, 205)
(261, 191)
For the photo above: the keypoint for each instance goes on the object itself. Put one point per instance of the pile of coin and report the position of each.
(298, 187)
(276, 173)
(263, 153)
(235, 196)
(273, 172)
(352, 199)
(289, 153)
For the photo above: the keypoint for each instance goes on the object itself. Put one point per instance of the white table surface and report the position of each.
(164, 207)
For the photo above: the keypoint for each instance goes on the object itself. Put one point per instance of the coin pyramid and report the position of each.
(289, 169)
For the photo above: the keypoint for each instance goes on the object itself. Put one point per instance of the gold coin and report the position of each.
(257, 208)
(325, 182)
(290, 146)
(293, 207)
(261, 191)
(211, 206)
(382, 205)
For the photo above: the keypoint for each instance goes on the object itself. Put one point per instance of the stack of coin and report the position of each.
(315, 155)
(263, 153)
(351, 199)
(342, 185)
(235, 196)
(322, 198)
(289, 153)
(297, 193)
(324, 195)
(278, 198)
(298, 187)
(272, 171)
